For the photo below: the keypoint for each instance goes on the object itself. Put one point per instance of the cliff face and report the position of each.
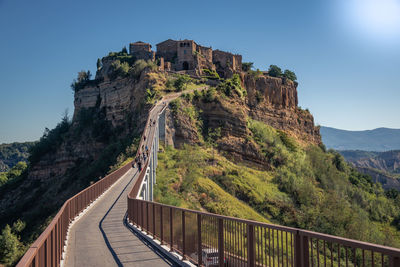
(106, 117)
(269, 100)
(274, 102)
(383, 167)
(120, 100)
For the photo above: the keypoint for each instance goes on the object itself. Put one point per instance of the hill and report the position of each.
(383, 167)
(11, 154)
(380, 139)
(246, 168)
(241, 147)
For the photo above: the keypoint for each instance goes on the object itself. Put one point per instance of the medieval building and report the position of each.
(188, 56)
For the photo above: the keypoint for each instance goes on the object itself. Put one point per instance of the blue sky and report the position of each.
(346, 56)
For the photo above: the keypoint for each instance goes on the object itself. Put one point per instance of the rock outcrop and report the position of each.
(274, 101)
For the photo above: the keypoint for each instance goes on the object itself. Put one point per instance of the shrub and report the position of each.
(81, 81)
(119, 69)
(175, 105)
(246, 66)
(181, 82)
(233, 85)
(50, 140)
(290, 75)
(150, 96)
(255, 73)
(11, 249)
(209, 95)
(211, 74)
(274, 71)
(139, 66)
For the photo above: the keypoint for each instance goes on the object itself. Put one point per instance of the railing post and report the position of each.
(394, 261)
(297, 249)
(183, 236)
(161, 225)
(199, 244)
(250, 245)
(154, 221)
(147, 217)
(142, 215)
(171, 228)
(301, 250)
(221, 242)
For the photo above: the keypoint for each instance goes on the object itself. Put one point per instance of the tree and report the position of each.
(181, 82)
(10, 246)
(246, 66)
(274, 71)
(99, 65)
(80, 82)
(290, 75)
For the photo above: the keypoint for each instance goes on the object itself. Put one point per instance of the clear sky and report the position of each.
(346, 53)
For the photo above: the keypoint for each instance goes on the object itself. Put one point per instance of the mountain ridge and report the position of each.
(379, 139)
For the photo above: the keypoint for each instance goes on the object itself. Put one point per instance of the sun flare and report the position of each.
(378, 19)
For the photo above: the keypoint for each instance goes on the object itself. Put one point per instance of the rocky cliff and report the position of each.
(383, 167)
(274, 101)
(266, 99)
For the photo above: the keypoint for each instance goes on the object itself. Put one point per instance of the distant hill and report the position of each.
(383, 167)
(11, 154)
(380, 139)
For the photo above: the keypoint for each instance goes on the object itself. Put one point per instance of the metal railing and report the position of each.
(238, 242)
(201, 236)
(48, 248)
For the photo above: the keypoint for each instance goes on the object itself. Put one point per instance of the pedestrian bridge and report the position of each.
(115, 222)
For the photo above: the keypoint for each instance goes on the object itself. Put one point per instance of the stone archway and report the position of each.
(185, 65)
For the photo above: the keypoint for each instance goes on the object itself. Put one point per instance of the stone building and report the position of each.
(188, 56)
(141, 50)
(226, 63)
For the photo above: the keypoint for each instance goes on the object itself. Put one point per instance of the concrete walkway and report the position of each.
(100, 238)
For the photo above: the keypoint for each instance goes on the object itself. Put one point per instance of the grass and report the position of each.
(203, 179)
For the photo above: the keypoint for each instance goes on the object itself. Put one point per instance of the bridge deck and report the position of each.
(100, 238)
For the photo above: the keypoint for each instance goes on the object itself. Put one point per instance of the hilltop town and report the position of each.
(187, 55)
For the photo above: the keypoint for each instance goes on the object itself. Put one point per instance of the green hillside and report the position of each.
(11, 154)
(303, 186)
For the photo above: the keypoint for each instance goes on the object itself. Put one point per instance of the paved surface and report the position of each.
(100, 238)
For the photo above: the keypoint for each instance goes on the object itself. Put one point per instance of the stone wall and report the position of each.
(139, 47)
(168, 50)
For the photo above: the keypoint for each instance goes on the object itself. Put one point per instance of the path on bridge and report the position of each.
(100, 238)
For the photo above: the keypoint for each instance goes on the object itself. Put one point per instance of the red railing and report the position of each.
(48, 248)
(209, 239)
(229, 241)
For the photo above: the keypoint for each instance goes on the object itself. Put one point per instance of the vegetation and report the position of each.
(81, 81)
(232, 86)
(290, 75)
(139, 66)
(247, 66)
(11, 154)
(13, 173)
(182, 81)
(11, 249)
(40, 200)
(119, 69)
(274, 71)
(50, 140)
(211, 74)
(304, 187)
